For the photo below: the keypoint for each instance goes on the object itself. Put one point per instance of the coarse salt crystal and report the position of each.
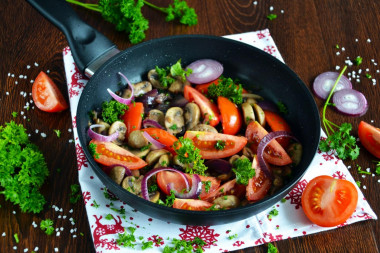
(59, 216)
(3, 234)
(271, 8)
(70, 130)
(7, 93)
(356, 40)
(349, 167)
(43, 135)
(56, 208)
(14, 212)
(14, 247)
(21, 76)
(16, 82)
(36, 249)
(360, 71)
(282, 11)
(358, 80)
(56, 229)
(61, 210)
(368, 169)
(255, 2)
(71, 211)
(58, 233)
(74, 236)
(28, 66)
(48, 71)
(343, 49)
(368, 40)
(363, 176)
(337, 53)
(373, 175)
(64, 217)
(71, 231)
(31, 81)
(36, 131)
(13, 75)
(372, 121)
(26, 250)
(366, 70)
(70, 141)
(55, 249)
(9, 74)
(337, 67)
(378, 181)
(364, 187)
(372, 60)
(62, 228)
(22, 112)
(25, 77)
(36, 64)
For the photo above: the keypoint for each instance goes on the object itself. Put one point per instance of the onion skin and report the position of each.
(151, 123)
(193, 193)
(126, 101)
(155, 143)
(99, 137)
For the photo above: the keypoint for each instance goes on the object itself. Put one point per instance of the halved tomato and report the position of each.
(228, 188)
(46, 95)
(231, 117)
(133, 117)
(277, 123)
(370, 138)
(259, 185)
(191, 204)
(328, 201)
(207, 143)
(274, 153)
(162, 137)
(166, 177)
(209, 110)
(111, 154)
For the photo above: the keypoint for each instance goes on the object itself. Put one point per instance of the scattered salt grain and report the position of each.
(48, 71)
(71, 211)
(59, 216)
(15, 247)
(64, 217)
(364, 187)
(360, 71)
(62, 228)
(363, 176)
(358, 80)
(43, 135)
(377, 71)
(36, 64)
(7, 93)
(255, 3)
(271, 8)
(20, 76)
(31, 81)
(343, 49)
(348, 62)
(16, 82)
(74, 236)
(373, 175)
(22, 112)
(70, 141)
(282, 11)
(372, 121)
(367, 70)
(56, 208)
(36, 131)
(9, 74)
(369, 40)
(71, 231)
(34, 224)
(61, 210)
(372, 60)
(36, 249)
(356, 40)
(53, 206)
(368, 169)
(337, 53)
(378, 181)
(349, 167)
(28, 66)
(25, 77)
(13, 75)
(337, 67)
(26, 250)
(14, 212)
(56, 229)
(58, 233)
(3, 234)
(55, 249)
(70, 130)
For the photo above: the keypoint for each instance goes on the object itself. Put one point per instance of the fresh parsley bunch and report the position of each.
(23, 169)
(242, 167)
(227, 88)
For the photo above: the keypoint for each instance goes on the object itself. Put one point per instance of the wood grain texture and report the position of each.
(306, 34)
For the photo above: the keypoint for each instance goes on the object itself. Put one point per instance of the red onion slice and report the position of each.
(262, 145)
(268, 106)
(350, 102)
(149, 174)
(204, 71)
(126, 101)
(195, 190)
(155, 143)
(151, 123)
(324, 82)
(100, 137)
(219, 166)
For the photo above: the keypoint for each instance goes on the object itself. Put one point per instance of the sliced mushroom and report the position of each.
(177, 162)
(153, 79)
(139, 88)
(121, 128)
(248, 113)
(154, 196)
(140, 153)
(117, 174)
(162, 98)
(192, 115)
(248, 153)
(164, 161)
(251, 101)
(155, 155)
(157, 116)
(260, 115)
(227, 202)
(99, 130)
(136, 139)
(235, 157)
(174, 121)
(251, 95)
(132, 184)
(178, 85)
(204, 128)
(295, 152)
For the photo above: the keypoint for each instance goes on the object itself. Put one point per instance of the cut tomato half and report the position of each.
(133, 117)
(259, 185)
(228, 188)
(162, 137)
(277, 123)
(274, 153)
(328, 201)
(370, 138)
(192, 204)
(208, 144)
(110, 154)
(231, 117)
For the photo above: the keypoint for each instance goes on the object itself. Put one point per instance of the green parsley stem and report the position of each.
(93, 7)
(155, 7)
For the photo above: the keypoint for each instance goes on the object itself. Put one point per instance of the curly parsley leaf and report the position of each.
(92, 150)
(271, 16)
(242, 167)
(377, 171)
(220, 145)
(47, 226)
(168, 75)
(112, 111)
(23, 169)
(127, 239)
(75, 194)
(227, 88)
(188, 154)
(272, 248)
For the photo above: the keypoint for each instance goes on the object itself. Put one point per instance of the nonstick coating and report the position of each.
(255, 69)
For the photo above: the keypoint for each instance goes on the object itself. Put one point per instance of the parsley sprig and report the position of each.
(377, 170)
(47, 226)
(227, 88)
(242, 167)
(188, 154)
(168, 75)
(340, 141)
(112, 110)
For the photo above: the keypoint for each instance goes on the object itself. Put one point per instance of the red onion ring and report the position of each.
(155, 144)
(350, 102)
(149, 174)
(196, 188)
(151, 123)
(324, 82)
(126, 101)
(100, 137)
(204, 71)
(262, 145)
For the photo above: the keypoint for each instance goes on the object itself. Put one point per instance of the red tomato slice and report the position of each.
(46, 94)
(277, 123)
(231, 117)
(163, 137)
(191, 204)
(228, 188)
(274, 153)
(111, 154)
(259, 185)
(133, 117)
(207, 141)
(166, 177)
(329, 202)
(370, 138)
(209, 110)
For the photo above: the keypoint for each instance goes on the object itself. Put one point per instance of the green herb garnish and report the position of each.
(146, 147)
(358, 183)
(47, 226)
(233, 236)
(242, 167)
(17, 240)
(57, 132)
(271, 16)
(189, 154)
(94, 204)
(273, 212)
(92, 150)
(227, 88)
(220, 145)
(168, 75)
(272, 248)
(173, 127)
(112, 111)
(377, 171)
(360, 171)
(146, 245)
(127, 239)
(75, 194)
(282, 107)
(358, 60)
(14, 114)
(207, 185)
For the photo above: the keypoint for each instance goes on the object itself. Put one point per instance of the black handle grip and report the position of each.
(86, 43)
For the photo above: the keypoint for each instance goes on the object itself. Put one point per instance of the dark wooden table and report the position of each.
(306, 33)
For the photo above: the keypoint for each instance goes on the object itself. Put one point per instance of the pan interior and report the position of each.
(258, 71)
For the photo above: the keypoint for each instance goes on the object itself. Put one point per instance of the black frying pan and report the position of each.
(255, 68)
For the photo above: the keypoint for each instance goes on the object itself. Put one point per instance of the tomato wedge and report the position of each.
(259, 185)
(163, 137)
(207, 143)
(329, 202)
(191, 204)
(166, 177)
(111, 154)
(274, 153)
(231, 117)
(209, 110)
(277, 123)
(228, 188)
(46, 95)
(370, 138)
(133, 117)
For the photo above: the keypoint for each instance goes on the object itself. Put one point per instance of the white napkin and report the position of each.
(290, 221)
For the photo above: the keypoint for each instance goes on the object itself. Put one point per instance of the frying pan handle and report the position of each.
(87, 45)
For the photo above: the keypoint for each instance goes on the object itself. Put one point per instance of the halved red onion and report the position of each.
(149, 174)
(126, 101)
(324, 82)
(350, 102)
(219, 166)
(195, 190)
(262, 145)
(204, 71)
(268, 106)
(155, 144)
(148, 99)
(108, 169)
(100, 137)
(151, 123)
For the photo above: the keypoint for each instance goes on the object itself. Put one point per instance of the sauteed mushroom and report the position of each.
(117, 174)
(154, 156)
(139, 88)
(153, 79)
(99, 130)
(136, 139)
(260, 115)
(121, 127)
(192, 115)
(157, 116)
(204, 128)
(132, 184)
(227, 201)
(248, 113)
(178, 85)
(174, 121)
